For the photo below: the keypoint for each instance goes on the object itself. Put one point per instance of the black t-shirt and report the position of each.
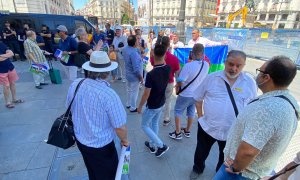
(83, 48)
(5, 65)
(46, 39)
(9, 31)
(157, 79)
(110, 34)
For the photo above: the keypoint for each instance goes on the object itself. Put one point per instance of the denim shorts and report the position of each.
(185, 103)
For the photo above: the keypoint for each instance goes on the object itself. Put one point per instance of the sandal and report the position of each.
(9, 105)
(17, 101)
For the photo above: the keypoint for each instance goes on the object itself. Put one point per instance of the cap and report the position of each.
(62, 28)
(118, 28)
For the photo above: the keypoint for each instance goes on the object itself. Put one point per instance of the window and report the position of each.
(262, 17)
(271, 17)
(79, 24)
(281, 25)
(284, 17)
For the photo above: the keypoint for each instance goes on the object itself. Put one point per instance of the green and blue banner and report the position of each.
(215, 55)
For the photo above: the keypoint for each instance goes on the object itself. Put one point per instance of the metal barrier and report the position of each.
(258, 43)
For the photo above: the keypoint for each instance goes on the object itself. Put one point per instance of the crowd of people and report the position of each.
(251, 131)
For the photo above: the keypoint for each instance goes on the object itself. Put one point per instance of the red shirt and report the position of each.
(172, 61)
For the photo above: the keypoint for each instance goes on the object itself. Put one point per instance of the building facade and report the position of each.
(266, 13)
(198, 13)
(62, 7)
(107, 10)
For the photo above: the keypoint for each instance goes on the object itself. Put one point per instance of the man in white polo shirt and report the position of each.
(219, 110)
(197, 38)
(190, 77)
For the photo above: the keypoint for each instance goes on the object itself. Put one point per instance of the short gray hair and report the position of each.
(237, 53)
(30, 33)
(80, 32)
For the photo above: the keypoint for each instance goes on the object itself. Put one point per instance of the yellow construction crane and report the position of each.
(231, 16)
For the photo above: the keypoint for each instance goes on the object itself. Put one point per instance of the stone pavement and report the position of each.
(24, 154)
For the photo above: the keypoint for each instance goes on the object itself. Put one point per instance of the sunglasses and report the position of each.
(258, 70)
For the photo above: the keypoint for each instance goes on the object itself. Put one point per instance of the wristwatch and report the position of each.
(69, 53)
(235, 171)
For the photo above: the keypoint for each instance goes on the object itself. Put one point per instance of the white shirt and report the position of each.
(116, 42)
(178, 44)
(96, 111)
(218, 110)
(153, 43)
(188, 73)
(204, 41)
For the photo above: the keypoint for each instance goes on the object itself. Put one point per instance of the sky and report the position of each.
(80, 3)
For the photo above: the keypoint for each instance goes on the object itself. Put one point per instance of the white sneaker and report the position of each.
(124, 81)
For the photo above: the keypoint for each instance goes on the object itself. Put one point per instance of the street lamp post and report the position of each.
(181, 18)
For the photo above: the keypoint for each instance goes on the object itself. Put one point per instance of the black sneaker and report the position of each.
(127, 107)
(38, 87)
(134, 110)
(165, 123)
(161, 151)
(43, 84)
(186, 133)
(174, 135)
(152, 149)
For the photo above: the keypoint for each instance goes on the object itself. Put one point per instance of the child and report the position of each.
(113, 57)
(155, 86)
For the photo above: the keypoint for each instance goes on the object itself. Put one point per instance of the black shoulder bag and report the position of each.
(285, 171)
(180, 90)
(62, 132)
(236, 111)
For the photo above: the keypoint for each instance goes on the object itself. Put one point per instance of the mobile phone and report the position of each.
(190, 55)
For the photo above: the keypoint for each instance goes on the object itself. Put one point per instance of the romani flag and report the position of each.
(215, 56)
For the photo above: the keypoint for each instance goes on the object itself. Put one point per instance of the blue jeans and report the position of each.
(114, 72)
(223, 174)
(149, 125)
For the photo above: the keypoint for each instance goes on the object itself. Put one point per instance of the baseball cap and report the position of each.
(62, 28)
(118, 28)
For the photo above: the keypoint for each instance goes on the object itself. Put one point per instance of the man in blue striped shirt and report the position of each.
(98, 115)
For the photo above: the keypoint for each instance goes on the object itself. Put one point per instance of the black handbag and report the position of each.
(62, 132)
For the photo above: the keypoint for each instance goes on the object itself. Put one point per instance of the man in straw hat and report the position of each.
(98, 115)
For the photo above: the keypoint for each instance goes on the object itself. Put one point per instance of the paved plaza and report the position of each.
(24, 154)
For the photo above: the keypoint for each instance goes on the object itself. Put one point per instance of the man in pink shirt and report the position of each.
(173, 62)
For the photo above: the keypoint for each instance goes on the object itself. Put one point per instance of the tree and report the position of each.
(125, 19)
